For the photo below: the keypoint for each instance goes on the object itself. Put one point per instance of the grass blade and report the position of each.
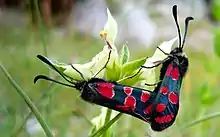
(28, 102)
(41, 26)
(39, 106)
(184, 128)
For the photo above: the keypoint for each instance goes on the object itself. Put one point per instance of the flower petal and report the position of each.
(97, 63)
(84, 69)
(149, 74)
(111, 27)
(101, 58)
(158, 54)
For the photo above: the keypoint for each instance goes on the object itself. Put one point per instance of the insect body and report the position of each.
(174, 67)
(130, 100)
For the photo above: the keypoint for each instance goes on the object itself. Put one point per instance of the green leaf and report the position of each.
(132, 81)
(129, 67)
(215, 9)
(217, 41)
(113, 74)
(124, 54)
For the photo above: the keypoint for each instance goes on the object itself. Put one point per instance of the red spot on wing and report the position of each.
(173, 98)
(145, 95)
(164, 90)
(168, 72)
(160, 107)
(169, 118)
(164, 119)
(106, 90)
(130, 101)
(148, 109)
(128, 90)
(175, 73)
(159, 120)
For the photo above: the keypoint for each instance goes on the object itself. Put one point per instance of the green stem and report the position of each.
(41, 26)
(107, 119)
(106, 126)
(108, 115)
(28, 102)
(184, 128)
(39, 105)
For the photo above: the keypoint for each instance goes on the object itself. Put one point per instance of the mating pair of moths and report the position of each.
(159, 108)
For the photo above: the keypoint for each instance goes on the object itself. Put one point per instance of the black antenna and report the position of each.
(81, 75)
(53, 80)
(177, 25)
(45, 60)
(109, 55)
(186, 29)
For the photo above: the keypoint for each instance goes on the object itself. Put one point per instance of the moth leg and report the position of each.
(109, 55)
(81, 75)
(153, 84)
(158, 63)
(168, 54)
(129, 77)
(163, 51)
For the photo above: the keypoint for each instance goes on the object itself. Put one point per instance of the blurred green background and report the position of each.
(66, 113)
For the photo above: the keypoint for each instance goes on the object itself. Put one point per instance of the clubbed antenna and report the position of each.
(45, 60)
(176, 21)
(186, 29)
(53, 80)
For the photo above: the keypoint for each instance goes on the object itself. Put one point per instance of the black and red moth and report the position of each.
(130, 100)
(174, 67)
(158, 108)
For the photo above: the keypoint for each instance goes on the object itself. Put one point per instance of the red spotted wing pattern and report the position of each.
(130, 100)
(134, 101)
(165, 108)
(166, 104)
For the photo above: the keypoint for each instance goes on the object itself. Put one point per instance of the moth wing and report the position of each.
(166, 105)
(125, 99)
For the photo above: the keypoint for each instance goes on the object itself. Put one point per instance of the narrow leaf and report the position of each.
(217, 41)
(130, 67)
(124, 55)
(113, 73)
